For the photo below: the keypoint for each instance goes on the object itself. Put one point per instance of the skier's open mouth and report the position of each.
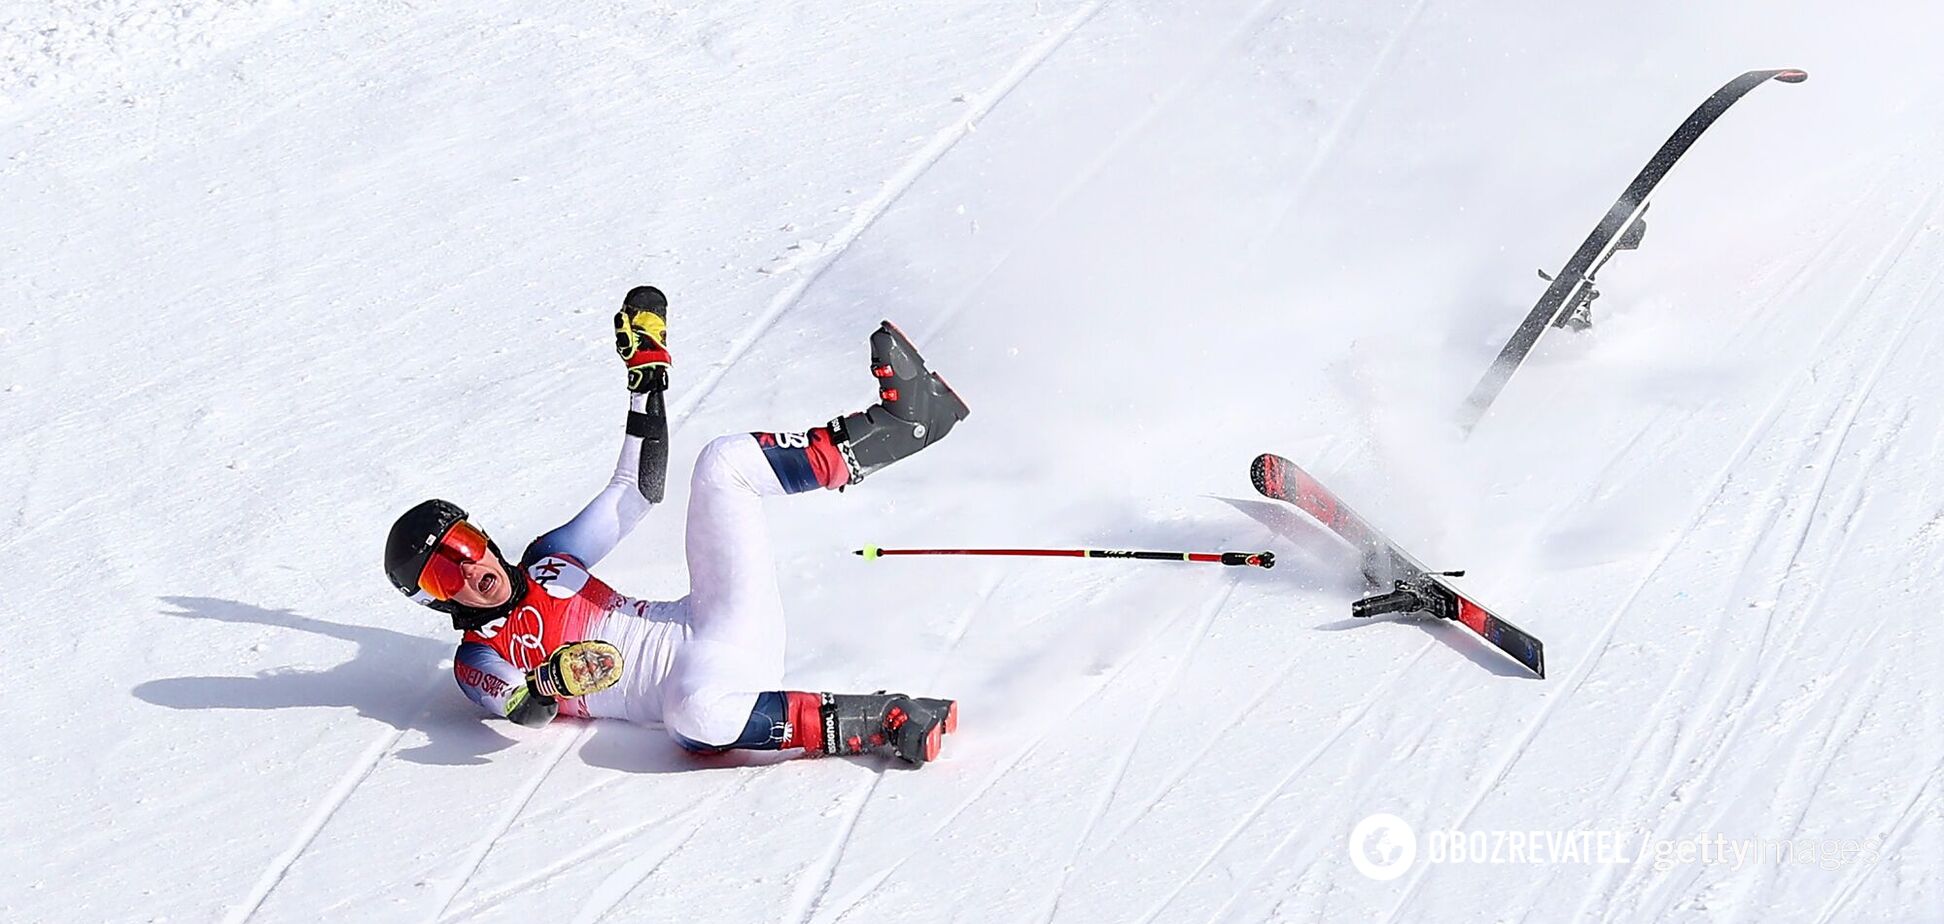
(487, 582)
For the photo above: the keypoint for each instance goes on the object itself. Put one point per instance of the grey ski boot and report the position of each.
(915, 408)
(858, 723)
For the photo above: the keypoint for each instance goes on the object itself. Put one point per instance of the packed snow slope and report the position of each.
(276, 270)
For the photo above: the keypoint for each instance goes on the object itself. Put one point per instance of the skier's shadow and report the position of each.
(639, 749)
(392, 678)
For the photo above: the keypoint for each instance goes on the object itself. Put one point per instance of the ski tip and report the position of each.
(1792, 76)
(1264, 472)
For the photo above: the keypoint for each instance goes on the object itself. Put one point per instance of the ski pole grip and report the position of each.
(651, 476)
(1258, 559)
(1397, 601)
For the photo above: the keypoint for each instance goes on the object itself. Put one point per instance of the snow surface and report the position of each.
(276, 270)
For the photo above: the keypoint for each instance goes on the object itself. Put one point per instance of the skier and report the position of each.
(547, 638)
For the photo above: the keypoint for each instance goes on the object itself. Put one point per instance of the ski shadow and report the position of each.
(1471, 646)
(1453, 636)
(1321, 563)
(387, 680)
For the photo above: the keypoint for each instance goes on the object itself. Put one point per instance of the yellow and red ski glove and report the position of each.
(641, 337)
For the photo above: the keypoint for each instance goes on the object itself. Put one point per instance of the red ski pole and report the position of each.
(1258, 559)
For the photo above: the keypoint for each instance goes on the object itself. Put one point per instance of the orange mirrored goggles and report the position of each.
(462, 544)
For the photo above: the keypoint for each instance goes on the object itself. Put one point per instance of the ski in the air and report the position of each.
(1408, 586)
(1568, 301)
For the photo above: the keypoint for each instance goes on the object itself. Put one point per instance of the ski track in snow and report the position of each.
(469, 865)
(347, 784)
(1213, 739)
(1680, 698)
(1218, 737)
(619, 884)
(1855, 704)
(888, 195)
(1344, 124)
(1830, 437)
(1110, 788)
(1898, 246)
(824, 870)
(1003, 769)
(1704, 746)
(1801, 778)
(602, 846)
(1677, 693)
(1923, 794)
(1913, 808)
(1269, 866)
(1825, 461)
(1296, 769)
(1251, 24)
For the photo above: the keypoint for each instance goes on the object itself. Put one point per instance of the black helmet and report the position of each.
(412, 540)
(410, 545)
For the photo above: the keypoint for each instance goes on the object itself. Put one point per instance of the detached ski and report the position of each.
(1408, 586)
(1568, 300)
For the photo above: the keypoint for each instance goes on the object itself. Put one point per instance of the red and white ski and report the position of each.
(1408, 586)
